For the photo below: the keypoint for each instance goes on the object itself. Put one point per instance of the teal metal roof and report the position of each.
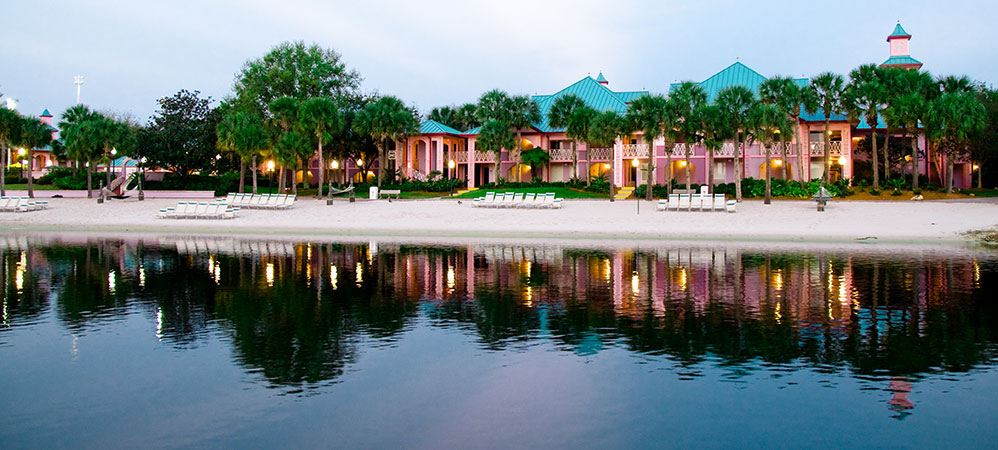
(737, 74)
(898, 32)
(51, 128)
(601, 78)
(594, 94)
(46, 113)
(628, 97)
(431, 126)
(901, 60)
(472, 131)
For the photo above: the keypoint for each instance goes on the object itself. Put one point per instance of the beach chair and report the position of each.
(507, 199)
(674, 202)
(228, 213)
(4, 201)
(242, 199)
(662, 205)
(190, 209)
(229, 199)
(166, 213)
(555, 202)
(289, 201)
(200, 210)
(695, 202)
(259, 200)
(479, 202)
(489, 201)
(731, 206)
(684, 202)
(527, 201)
(181, 211)
(517, 200)
(719, 202)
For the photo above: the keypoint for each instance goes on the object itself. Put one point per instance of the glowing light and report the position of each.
(634, 162)
(360, 274)
(778, 162)
(829, 132)
(842, 160)
(776, 312)
(606, 166)
(270, 274)
(21, 152)
(977, 167)
(635, 283)
(682, 278)
(451, 164)
(218, 273)
(114, 151)
(682, 163)
(778, 280)
(112, 281)
(450, 279)
(606, 269)
(19, 272)
(333, 276)
(270, 165)
(334, 165)
(159, 323)
(528, 295)
(142, 276)
(360, 162)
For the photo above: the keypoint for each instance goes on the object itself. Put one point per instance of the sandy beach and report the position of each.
(783, 221)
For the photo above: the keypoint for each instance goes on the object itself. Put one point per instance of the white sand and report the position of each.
(783, 221)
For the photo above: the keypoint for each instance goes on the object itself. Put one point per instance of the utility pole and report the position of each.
(78, 81)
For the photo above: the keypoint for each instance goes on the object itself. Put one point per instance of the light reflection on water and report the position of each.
(631, 333)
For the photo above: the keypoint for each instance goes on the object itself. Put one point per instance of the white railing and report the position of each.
(679, 150)
(635, 151)
(417, 175)
(514, 155)
(461, 157)
(834, 148)
(727, 149)
(561, 154)
(600, 154)
(481, 156)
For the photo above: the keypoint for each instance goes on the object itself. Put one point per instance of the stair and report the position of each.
(624, 192)
(464, 191)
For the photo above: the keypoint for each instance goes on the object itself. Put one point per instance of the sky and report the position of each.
(434, 53)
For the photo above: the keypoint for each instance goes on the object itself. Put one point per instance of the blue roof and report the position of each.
(594, 94)
(117, 162)
(737, 74)
(431, 126)
(898, 32)
(901, 60)
(473, 130)
(628, 97)
(601, 78)
(46, 113)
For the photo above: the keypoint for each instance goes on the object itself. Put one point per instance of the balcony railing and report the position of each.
(635, 151)
(834, 148)
(481, 156)
(679, 150)
(600, 154)
(461, 157)
(561, 154)
(727, 149)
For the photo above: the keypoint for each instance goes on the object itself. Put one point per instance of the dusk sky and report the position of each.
(433, 53)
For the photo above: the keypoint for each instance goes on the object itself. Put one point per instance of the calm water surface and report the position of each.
(213, 342)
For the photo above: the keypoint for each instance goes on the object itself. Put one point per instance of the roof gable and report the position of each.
(431, 126)
(594, 94)
(898, 32)
(737, 74)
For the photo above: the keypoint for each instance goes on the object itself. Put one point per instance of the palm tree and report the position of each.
(74, 115)
(827, 88)
(496, 106)
(766, 123)
(386, 119)
(524, 112)
(787, 95)
(959, 115)
(284, 120)
(735, 101)
(912, 108)
(570, 112)
(715, 128)
(10, 130)
(34, 134)
(864, 96)
(646, 113)
(244, 133)
(606, 126)
(535, 157)
(494, 136)
(83, 143)
(320, 116)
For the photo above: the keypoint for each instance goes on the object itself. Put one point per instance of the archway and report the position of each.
(366, 176)
(679, 172)
(600, 170)
(524, 172)
(778, 168)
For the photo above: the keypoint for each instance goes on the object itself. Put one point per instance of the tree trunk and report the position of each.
(738, 166)
(710, 170)
(294, 180)
(650, 177)
(575, 160)
(322, 171)
(280, 180)
(876, 163)
(381, 162)
(589, 166)
(914, 162)
(242, 175)
(689, 187)
(253, 169)
(769, 179)
(887, 161)
(949, 176)
(519, 150)
(825, 173)
(31, 163)
(3, 169)
(90, 189)
(668, 168)
(800, 151)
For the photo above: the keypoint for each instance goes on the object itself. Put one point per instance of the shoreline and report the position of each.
(797, 222)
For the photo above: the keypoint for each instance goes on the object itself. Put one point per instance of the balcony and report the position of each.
(635, 151)
(600, 154)
(481, 156)
(834, 148)
(461, 157)
(561, 154)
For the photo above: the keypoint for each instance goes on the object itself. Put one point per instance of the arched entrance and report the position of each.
(778, 168)
(679, 171)
(524, 172)
(600, 170)
(366, 176)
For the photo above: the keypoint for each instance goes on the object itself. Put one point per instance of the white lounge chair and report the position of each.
(480, 202)
(731, 206)
(517, 200)
(229, 199)
(662, 205)
(527, 201)
(555, 202)
(674, 202)
(719, 202)
(695, 202)
(200, 210)
(684, 202)
(259, 200)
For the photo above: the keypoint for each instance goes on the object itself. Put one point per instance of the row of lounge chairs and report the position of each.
(199, 210)
(517, 200)
(260, 201)
(21, 204)
(696, 202)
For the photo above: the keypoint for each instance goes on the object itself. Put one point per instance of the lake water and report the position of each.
(217, 342)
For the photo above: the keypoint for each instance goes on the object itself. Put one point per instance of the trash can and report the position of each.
(373, 193)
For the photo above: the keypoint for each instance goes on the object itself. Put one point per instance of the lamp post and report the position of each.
(450, 174)
(142, 177)
(635, 163)
(20, 152)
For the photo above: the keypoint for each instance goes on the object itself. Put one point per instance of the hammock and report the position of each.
(340, 191)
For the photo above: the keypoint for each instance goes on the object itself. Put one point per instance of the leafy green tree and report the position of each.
(180, 136)
(715, 127)
(243, 132)
(604, 130)
(114, 137)
(984, 143)
(792, 99)
(34, 134)
(83, 143)
(497, 106)
(913, 94)
(494, 136)
(297, 70)
(646, 113)
(827, 88)
(960, 116)
(321, 116)
(766, 123)
(284, 120)
(865, 96)
(386, 119)
(10, 131)
(524, 112)
(689, 99)
(571, 113)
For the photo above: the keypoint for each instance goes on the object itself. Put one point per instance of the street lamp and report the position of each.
(635, 163)
(142, 176)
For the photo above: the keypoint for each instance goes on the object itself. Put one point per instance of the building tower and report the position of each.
(900, 56)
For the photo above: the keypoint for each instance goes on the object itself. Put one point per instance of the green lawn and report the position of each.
(560, 192)
(981, 192)
(37, 187)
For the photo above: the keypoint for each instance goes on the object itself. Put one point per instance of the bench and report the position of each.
(390, 193)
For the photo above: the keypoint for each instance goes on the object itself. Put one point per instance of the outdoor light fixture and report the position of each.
(360, 163)
(606, 166)
(976, 167)
(218, 156)
(634, 162)
(20, 152)
(334, 165)
(270, 165)
(451, 164)
(778, 162)
(114, 151)
(682, 163)
(842, 160)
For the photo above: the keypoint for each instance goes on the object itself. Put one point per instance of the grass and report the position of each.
(37, 187)
(560, 192)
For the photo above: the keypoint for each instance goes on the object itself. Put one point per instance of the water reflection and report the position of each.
(299, 314)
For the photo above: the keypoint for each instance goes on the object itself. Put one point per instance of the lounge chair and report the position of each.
(662, 205)
(527, 201)
(695, 202)
(684, 202)
(555, 202)
(517, 200)
(479, 202)
(507, 198)
(229, 199)
(719, 202)
(731, 206)
(674, 202)
(200, 210)
(259, 201)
